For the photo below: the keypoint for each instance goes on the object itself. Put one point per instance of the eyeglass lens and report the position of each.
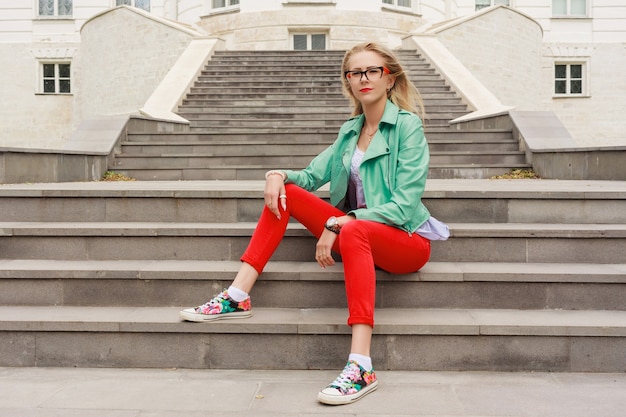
(370, 74)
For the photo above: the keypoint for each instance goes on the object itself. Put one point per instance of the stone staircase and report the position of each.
(94, 274)
(253, 111)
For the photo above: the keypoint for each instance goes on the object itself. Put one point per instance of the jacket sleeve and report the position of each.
(406, 184)
(316, 174)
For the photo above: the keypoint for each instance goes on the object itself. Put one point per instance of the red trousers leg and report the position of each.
(362, 244)
(366, 244)
(307, 208)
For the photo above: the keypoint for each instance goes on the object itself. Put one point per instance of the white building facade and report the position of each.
(66, 61)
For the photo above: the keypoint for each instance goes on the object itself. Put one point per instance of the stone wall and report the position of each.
(124, 55)
(596, 118)
(502, 48)
(30, 119)
(271, 29)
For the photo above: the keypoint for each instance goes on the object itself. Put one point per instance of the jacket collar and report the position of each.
(390, 116)
(379, 145)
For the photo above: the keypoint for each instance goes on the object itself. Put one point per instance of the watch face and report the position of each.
(331, 222)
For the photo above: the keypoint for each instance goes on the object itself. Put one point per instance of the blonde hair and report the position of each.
(403, 93)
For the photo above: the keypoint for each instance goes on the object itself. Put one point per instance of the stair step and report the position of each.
(557, 340)
(154, 229)
(193, 103)
(243, 173)
(262, 115)
(203, 270)
(240, 148)
(502, 242)
(278, 95)
(225, 69)
(225, 136)
(461, 201)
(282, 80)
(142, 283)
(298, 91)
(464, 171)
(205, 102)
(341, 112)
(327, 136)
(135, 148)
(247, 156)
(283, 123)
(247, 109)
(471, 322)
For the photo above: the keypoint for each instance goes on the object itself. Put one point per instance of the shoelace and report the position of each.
(215, 300)
(345, 380)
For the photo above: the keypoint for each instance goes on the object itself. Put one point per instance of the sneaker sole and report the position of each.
(200, 318)
(346, 399)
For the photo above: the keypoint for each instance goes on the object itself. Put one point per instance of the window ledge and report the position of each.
(571, 18)
(289, 3)
(399, 10)
(562, 96)
(224, 10)
(55, 18)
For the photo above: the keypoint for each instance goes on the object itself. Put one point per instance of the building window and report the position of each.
(569, 8)
(398, 3)
(140, 4)
(55, 8)
(482, 4)
(218, 4)
(309, 41)
(56, 78)
(569, 79)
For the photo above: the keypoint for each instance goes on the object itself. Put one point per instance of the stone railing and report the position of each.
(554, 154)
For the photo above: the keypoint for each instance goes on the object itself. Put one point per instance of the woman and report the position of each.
(377, 170)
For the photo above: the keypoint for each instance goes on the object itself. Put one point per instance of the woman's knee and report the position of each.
(354, 230)
(355, 226)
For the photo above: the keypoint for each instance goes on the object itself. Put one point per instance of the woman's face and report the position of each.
(370, 87)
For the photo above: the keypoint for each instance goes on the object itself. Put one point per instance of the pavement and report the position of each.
(105, 392)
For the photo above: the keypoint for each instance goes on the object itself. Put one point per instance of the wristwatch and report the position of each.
(332, 225)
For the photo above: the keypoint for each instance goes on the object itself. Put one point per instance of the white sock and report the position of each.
(364, 361)
(237, 294)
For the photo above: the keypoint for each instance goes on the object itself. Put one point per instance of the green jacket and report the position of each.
(393, 170)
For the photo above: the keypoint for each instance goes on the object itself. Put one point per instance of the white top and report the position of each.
(431, 229)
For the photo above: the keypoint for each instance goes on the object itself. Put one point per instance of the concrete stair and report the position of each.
(251, 111)
(93, 275)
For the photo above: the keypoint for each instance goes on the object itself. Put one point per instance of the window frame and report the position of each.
(309, 40)
(228, 5)
(491, 3)
(394, 5)
(568, 13)
(568, 79)
(55, 14)
(57, 77)
(308, 2)
(132, 4)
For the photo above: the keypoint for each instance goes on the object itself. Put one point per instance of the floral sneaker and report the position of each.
(353, 383)
(218, 308)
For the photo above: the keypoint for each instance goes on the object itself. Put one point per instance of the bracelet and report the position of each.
(275, 172)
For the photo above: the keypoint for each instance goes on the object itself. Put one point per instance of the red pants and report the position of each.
(362, 244)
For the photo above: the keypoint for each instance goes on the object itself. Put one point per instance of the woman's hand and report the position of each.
(323, 248)
(274, 194)
(326, 241)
